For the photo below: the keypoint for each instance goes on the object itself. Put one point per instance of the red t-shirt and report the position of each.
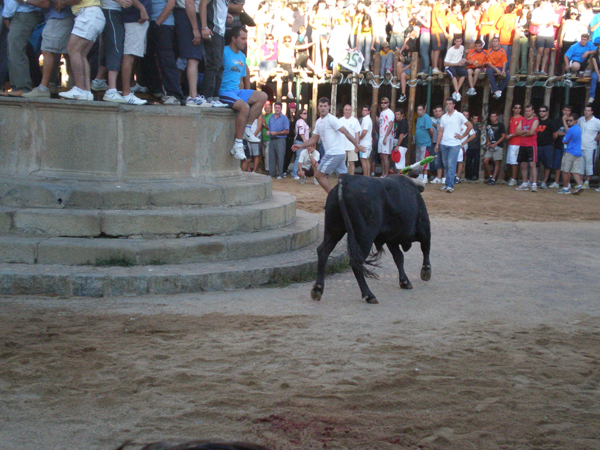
(512, 129)
(529, 141)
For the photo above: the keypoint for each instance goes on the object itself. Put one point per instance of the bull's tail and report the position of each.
(357, 260)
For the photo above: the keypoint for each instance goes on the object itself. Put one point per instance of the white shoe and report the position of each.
(279, 178)
(471, 91)
(76, 94)
(444, 180)
(436, 180)
(290, 95)
(425, 179)
(436, 71)
(296, 177)
(238, 151)
(197, 101)
(170, 100)
(454, 96)
(36, 92)
(219, 104)
(112, 95)
(498, 94)
(250, 137)
(99, 85)
(136, 88)
(553, 185)
(133, 100)
(512, 182)
(458, 97)
(591, 100)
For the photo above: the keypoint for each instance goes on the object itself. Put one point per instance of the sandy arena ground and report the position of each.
(500, 350)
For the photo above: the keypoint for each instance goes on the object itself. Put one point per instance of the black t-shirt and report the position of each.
(402, 128)
(495, 132)
(558, 143)
(545, 130)
(475, 144)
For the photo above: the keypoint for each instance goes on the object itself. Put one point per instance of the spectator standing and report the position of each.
(268, 57)
(385, 144)
(455, 65)
(379, 27)
(572, 158)
(472, 18)
(547, 134)
(528, 155)
(366, 140)
(404, 59)
(476, 62)
(365, 42)
(253, 148)
(292, 116)
(423, 137)
(460, 161)
(514, 143)
(423, 19)
(437, 165)
(449, 140)
(353, 126)
(263, 18)
(506, 26)
(279, 127)
(473, 151)
(590, 127)
(246, 102)
(439, 35)
(300, 17)
(302, 134)
(496, 134)
(401, 137)
(455, 20)
(266, 139)
(286, 60)
(523, 25)
(496, 65)
(544, 19)
(321, 23)
(559, 146)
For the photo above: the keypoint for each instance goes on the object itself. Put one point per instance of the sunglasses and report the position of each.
(385, 103)
(543, 110)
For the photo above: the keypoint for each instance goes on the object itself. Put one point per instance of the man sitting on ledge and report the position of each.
(240, 97)
(577, 56)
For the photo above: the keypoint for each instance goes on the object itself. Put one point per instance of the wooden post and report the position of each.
(530, 64)
(485, 110)
(549, 86)
(446, 90)
(414, 61)
(315, 98)
(279, 81)
(510, 92)
(463, 96)
(334, 88)
(354, 94)
(394, 95)
(375, 100)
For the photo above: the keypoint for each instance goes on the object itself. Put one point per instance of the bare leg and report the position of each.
(192, 77)
(256, 101)
(126, 71)
(366, 166)
(240, 121)
(323, 181)
(385, 164)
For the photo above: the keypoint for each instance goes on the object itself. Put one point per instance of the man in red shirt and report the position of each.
(514, 143)
(527, 158)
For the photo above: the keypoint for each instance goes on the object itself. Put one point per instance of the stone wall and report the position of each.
(114, 142)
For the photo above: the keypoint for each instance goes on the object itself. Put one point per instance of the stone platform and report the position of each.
(99, 199)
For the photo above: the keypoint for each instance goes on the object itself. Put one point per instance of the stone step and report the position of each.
(84, 251)
(69, 281)
(277, 212)
(28, 192)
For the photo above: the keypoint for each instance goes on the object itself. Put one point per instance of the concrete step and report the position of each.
(29, 192)
(277, 212)
(140, 251)
(69, 281)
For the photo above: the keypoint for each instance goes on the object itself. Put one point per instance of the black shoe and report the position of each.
(492, 182)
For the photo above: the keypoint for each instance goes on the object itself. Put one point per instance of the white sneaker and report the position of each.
(238, 151)
(436, 71)
(197, 101)
(425, 179)
(170, 100)
(76, 94)
(436, 180)
(512, 182)
(136, 88)
(458, 97)
(591, 100)
(586, 185)
(290, 95)
(454, 96)
(219, 104)
(112, 95)
(444, 180)
(133, 100)
(471, 91)
(498, 94)
(250, 137)
(99, 85)
(279, 178)
(36, 92)
(553, 185)
(296, 177)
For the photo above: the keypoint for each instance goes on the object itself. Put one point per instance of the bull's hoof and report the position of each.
(316, 293)
(370, 299)
(426, 273)
(405, 285)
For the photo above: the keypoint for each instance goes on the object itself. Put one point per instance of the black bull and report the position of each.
(388, 211)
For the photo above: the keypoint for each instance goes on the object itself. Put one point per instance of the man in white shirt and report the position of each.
(351, 124)
(329, 129)
(455, 65)
(386, 144)
(449, 140)
(366, 140)
(308, 162)
(590, 127)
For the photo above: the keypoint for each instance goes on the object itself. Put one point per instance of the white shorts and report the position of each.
(461, 155)
(511, 155)
(387, 148)
(402, 163)
(366, 154)
(333, 163)
(351, 155)
(135, 38)
(587, 165)
(89, 23)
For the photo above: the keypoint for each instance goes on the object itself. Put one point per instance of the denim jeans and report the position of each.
(449, 157)
(396, 41)
(364, 45)
(3, 54)
(508, 50)
(296, 158)
(594, 83)
(425, 40)
(387, 63)
(492, 78)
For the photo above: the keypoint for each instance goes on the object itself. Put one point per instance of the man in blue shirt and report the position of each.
(279, 127)
(571, 161)
(246, 102)
(423, 136)
(577, 56)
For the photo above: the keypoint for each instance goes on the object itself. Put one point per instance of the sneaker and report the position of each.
(488, 180)
(99, 85)
(553, 185)
(591, 100)
(598, 189)
(238, 151)
(492, 182)
(290, 95)
(158, 95)
(170, 100)
(436, 180)
(456, 180)
(36, 92)
(497, 94)
(564, 191)
(534, 188)
(296, 177)
(543, 72)
(458, 97)
(279, 178)
(529, 184)
(218, 104)
(471, 91)
(112, 95)
(578, 190)
(196, 101)
(250, 137)
(523, 187)
(425, 179)
(586, 185)
(512, 182)
(537, 72)
(443, 188)
(76, 94)
(543, 186)
(436, 71)
(138, 89)
(133, 100)
(450, 190)
(402, 98)
(303, 180)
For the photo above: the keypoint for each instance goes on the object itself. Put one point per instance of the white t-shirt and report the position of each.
(367, 124)
(327, 129)
(353, 127)
(111, 5)
(454, 55)
(386, 119)
(465, 145)
(589, 131)
(543, 16)
(304, 158)
(452, 125)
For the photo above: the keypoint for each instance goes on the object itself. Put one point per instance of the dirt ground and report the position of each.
(500, 350)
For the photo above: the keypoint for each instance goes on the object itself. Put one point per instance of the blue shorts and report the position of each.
(456, 71)
(185, 36)
(230, 97)
(546, 155)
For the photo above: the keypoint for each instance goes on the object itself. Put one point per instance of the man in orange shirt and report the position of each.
(439, 34)
(506, 26)
(476, 61)
(496, 65)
